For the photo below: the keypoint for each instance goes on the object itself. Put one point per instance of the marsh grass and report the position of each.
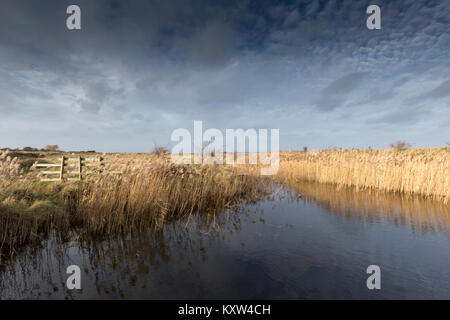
(423, 172)
(149, 193)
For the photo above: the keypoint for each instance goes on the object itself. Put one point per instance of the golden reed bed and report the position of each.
(419, 171)
(152, 191)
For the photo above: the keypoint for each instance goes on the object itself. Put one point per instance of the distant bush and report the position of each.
(51, 147)
(400, 145)
(160, 150)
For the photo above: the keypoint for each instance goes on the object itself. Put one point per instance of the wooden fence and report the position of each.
(70, 168)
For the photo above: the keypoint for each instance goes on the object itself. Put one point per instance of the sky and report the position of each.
(138, 70)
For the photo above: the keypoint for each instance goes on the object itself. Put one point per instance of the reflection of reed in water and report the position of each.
(415, 211)
(114, 264)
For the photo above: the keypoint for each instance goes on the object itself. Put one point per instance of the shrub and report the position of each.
(400, 145)
(51, 147)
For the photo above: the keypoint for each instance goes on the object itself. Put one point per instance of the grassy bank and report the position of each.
(150, 192)
(417, 171)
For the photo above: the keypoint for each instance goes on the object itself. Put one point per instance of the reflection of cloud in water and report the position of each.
(415, 211)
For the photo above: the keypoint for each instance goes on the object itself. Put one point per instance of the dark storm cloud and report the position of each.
(139, 69)
(211, 43)
(97, 94)
(441, 91)
(404, 115)
(336, 93)
(6, 104)
(345, 84)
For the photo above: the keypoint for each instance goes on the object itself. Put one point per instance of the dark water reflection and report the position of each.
(414, 211)
(313, 243)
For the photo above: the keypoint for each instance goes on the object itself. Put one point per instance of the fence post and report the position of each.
(62, 168)
(99, 166)
(79, 172)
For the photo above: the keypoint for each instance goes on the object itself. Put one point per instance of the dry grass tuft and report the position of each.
(9, 169)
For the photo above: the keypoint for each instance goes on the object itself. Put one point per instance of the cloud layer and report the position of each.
(140, 69)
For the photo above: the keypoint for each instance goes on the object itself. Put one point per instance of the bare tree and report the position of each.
(160, 150)
(400, 145)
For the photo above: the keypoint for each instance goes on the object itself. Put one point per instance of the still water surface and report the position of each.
(311, 243)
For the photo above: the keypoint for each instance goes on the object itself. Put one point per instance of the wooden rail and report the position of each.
(95, 164)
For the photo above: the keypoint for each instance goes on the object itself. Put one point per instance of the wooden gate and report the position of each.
(70, 168)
